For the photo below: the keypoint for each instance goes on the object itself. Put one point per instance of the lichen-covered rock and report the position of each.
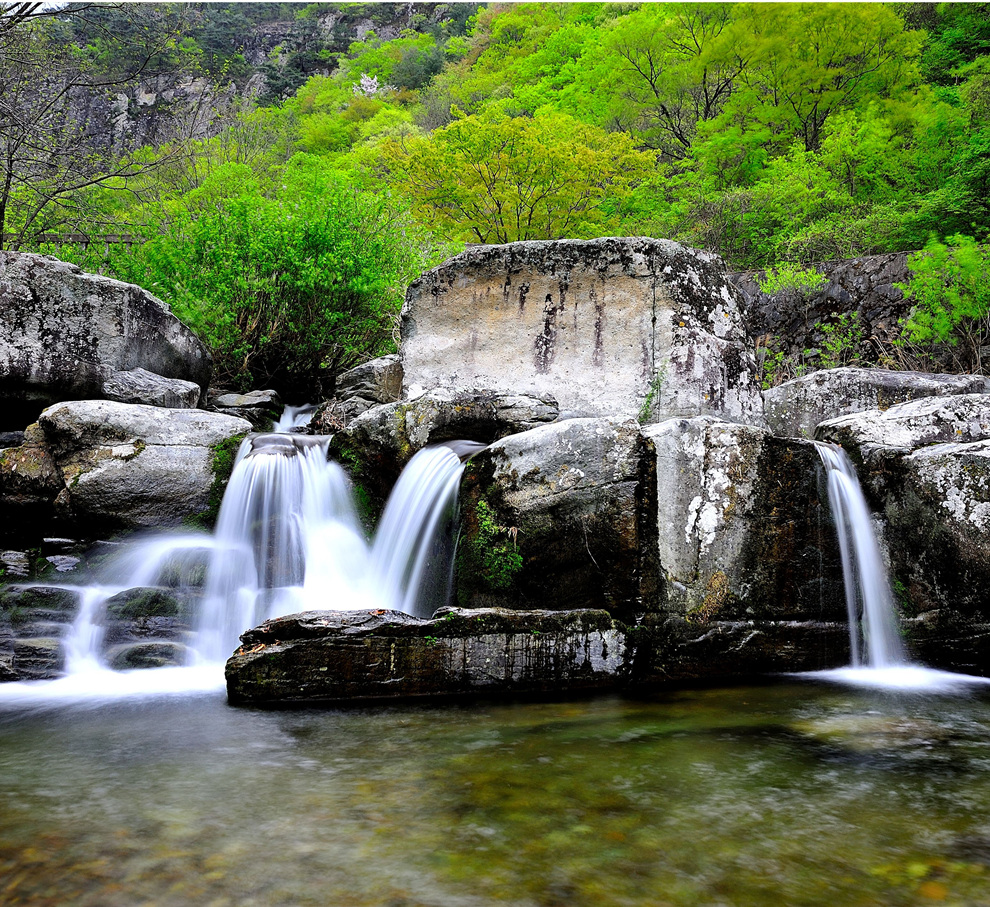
(742, 531)
(378, 444)
(875, 435)
(126, 466)
(795, 408)
(610, 327)
(554, 518)
(138, 385)
(330, 656)
(64, 332)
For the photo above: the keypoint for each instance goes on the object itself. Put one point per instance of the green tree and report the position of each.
(495, 178)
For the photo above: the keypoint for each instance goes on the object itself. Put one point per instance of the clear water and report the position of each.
(797, 794)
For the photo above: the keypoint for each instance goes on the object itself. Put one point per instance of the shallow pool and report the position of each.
(791, 793)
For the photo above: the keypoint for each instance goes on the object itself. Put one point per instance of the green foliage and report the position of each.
(488, 554)
(843, 340)
(950, 289)
(791, 277)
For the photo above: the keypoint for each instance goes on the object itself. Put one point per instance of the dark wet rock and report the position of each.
(610, 327)
(38, 658)
(328, 656)
(64, 332)
(141, 386)
(794, 318)
(260, 408)
(795, 408)
(687, 651)
(950, 639)
(157, 654)
(30, 483)
(554, 518)
(11, 439)
(128, 466)
(57, 600)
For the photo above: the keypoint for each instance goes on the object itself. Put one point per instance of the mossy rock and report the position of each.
(156, 654)
(19, 599)
(141, 602)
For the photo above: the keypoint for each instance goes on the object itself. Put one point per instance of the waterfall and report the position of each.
(869, 599)
(288, 539)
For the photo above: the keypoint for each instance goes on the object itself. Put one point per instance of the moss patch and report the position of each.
(488, 557)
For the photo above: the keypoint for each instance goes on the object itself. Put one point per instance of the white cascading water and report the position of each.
(288, 539)
(869, 599)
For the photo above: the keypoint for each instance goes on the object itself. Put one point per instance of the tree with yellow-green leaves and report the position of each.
(493, 178)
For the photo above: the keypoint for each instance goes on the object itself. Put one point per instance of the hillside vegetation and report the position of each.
(286, 229)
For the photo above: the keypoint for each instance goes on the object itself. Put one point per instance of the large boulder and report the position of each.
(328, 656)
(64, 332)
(743, 531)
(554, 518)
(795, 408)
(129, 467)
(358, 390)
(610, 327)
(138, 385)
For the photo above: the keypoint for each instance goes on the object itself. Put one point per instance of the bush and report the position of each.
(288, 290)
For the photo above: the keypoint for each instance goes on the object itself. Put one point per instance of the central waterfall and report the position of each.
(288, 539)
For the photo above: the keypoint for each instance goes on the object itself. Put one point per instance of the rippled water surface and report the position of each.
(794, 793)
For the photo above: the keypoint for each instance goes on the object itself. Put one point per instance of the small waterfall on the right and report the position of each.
(874, 634)
(879, 658)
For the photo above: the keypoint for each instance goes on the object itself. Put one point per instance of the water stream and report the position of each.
(878, 655)
(288, 539)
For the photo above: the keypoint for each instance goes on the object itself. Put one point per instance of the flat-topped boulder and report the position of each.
(331, 656)
(611, 327)
(64, 332)
(796, 408)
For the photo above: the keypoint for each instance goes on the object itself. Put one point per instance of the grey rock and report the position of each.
(553, 517)
(141, 386)
(63, 563)
(379, 442)
(260, 408)
(29, 484)
(610, 327)
(795, 408)
(11, 439)
(64, 332)
(376, 381)
(876, 435)
(742, 530)
(128, 466)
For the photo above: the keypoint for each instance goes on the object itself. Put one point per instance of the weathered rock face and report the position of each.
(378, 443)
(741, 527)
(862, 285)
(925, 465)
(64, 332)
(327, 656)
(141, 386)
(358, 390)
(554, 518)
(129, 467)
(794, 409)
(610, 327)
